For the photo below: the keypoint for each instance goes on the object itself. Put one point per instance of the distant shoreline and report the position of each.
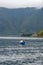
(25, 38)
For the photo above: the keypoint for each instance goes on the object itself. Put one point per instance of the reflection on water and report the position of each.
(12, 53)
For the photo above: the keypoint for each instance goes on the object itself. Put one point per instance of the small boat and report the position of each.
(22, 42)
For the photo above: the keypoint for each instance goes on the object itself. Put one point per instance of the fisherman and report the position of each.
(22, 42)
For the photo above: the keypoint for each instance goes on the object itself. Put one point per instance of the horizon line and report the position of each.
(21, 7)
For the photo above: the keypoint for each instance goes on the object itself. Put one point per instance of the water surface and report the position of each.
(13, 53)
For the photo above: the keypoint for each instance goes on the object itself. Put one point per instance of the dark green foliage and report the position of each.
(40, 33)
(13, 22)
(26, 35)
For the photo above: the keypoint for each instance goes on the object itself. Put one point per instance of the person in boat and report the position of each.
(22, 42)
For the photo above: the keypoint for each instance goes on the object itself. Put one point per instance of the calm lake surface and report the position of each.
(13, 53)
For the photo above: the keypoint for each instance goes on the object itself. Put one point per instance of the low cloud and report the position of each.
(21, 3)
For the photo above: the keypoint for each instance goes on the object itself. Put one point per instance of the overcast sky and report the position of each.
(21, 3)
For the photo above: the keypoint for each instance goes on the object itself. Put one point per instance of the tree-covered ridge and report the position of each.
(22, 20)
(40, 33)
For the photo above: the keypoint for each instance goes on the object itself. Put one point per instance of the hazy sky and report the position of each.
(21, 3)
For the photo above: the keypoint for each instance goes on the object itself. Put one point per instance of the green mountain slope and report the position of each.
(21, 20)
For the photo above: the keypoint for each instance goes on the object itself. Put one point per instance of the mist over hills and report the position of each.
(20, 20)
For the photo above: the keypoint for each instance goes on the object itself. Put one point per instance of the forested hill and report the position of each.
(21, 20)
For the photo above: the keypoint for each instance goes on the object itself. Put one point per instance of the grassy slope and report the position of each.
(18, 21)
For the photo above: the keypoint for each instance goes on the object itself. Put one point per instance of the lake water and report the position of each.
(13, 53)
